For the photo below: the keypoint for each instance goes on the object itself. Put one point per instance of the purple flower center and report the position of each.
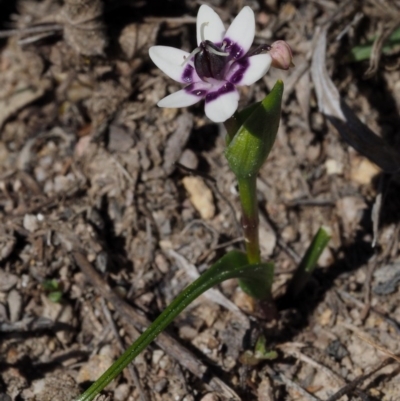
(210, 61)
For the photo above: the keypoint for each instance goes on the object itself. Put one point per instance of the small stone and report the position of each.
(333, 167)
(187, 333)
(362, 170)
(165, 362)
(337, 350)
(156, 357)
(14, 301)
(289, 234)
(325, 317)
(7, 249)
(265, 390)
(63, 182)
(313, 152)
(162, 263)
(121, 393)
(326, 259)
(120, 139)
(30, 223)
(7, 281)
(3, 313)
(160, 385)
(267, 242)
(210, 397)
(243, 301)
(200, 196)
(350, 209)
(92, 369)
(189, 159)
(61, 313)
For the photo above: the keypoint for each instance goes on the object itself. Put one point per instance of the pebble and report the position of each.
(30, 223)
(122, 392)
(189, 159)
(210, 397)
(362, 170)
(200, 196)
(14, 301)
(7, 281)
(93, 368)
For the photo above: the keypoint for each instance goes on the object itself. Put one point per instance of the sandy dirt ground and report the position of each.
(109, 206)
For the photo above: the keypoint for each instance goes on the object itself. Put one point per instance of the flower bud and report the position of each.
(281, 54)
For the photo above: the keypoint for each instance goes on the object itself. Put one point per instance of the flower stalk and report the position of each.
(251, 135)
(250, 219)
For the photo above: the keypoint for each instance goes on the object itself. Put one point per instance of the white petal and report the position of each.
(240, 34)
(209, 26)
(222, 103)
(171, 61)
(248, 70)
(187, 96)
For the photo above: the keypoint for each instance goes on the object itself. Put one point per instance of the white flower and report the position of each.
(214, 69)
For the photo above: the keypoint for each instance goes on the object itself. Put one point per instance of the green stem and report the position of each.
(250, 220)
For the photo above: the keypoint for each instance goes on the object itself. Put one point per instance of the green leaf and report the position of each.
(232, 265)
(233, 124)
(55, 296)
(363, 52)
(50, 285)
(250, 146)
(261, 353)
(258, 284)
(308, 263)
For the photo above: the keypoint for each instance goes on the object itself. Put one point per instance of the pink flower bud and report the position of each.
(281, 54)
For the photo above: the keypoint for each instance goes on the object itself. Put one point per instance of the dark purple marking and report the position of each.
(191, 89)
(259, 49)
(233, 49)
(241, 67)
(187, 76)
(209, 64)
(226, 88)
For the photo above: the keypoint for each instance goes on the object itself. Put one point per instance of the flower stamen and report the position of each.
(202, 36)
(194, 52)
(212, 50)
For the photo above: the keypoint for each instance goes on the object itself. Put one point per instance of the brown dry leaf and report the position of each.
(135, 39)
(353, 131)
(84, 30)
(18, 101)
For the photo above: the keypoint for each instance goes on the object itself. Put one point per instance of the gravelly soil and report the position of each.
(107, 202)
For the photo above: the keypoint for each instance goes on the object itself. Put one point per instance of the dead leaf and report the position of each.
(17, 101)
(135, 39)
(353, 131)
(83, 24)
